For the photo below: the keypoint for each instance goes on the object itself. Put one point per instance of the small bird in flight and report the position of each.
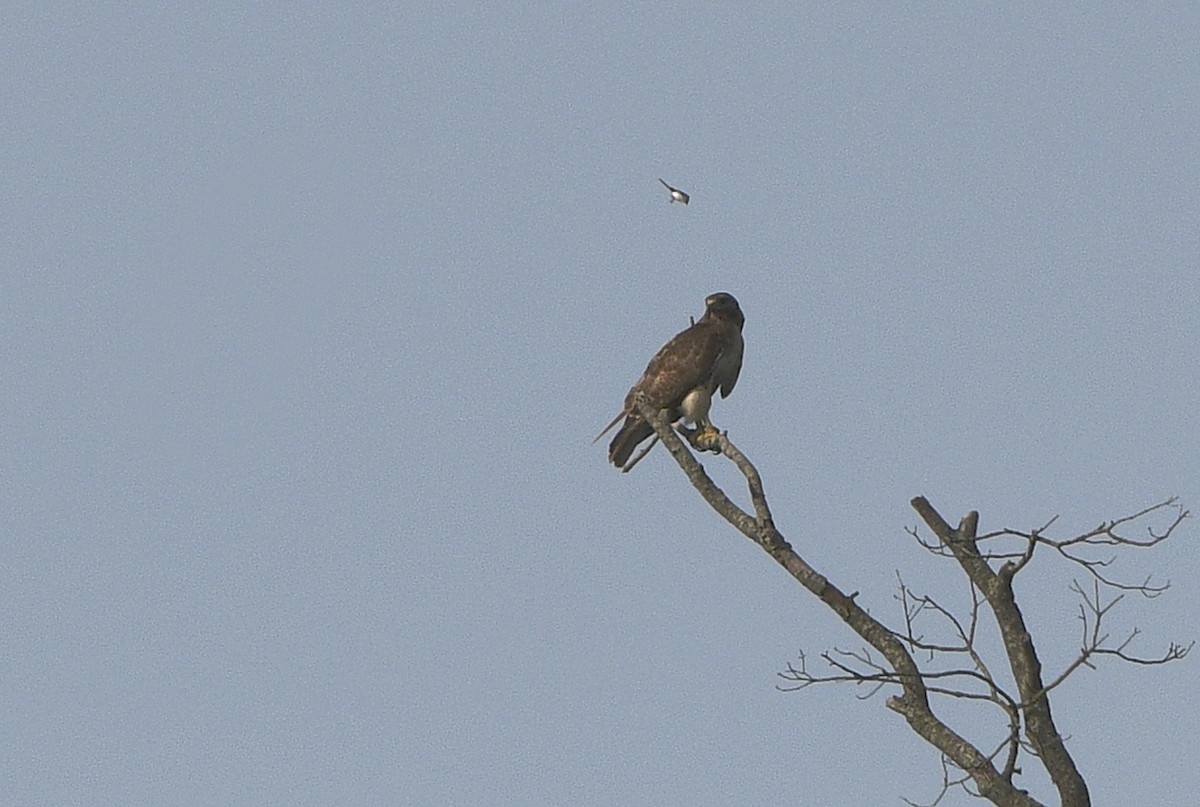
(676, 194)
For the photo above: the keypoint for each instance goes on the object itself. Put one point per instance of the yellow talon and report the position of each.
(705, 438)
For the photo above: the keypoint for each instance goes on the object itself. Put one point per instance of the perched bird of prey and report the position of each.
(676, 194)
(682, 377)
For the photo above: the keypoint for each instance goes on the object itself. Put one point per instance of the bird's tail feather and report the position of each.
(633, 432)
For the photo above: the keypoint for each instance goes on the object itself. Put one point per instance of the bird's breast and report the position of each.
(695, 405)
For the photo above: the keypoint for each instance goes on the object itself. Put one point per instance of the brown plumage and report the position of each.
(683, 376)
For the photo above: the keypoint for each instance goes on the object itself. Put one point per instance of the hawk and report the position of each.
(676, 194)
(682, 377)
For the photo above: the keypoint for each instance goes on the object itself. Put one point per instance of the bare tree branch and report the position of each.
(913, 701)
(1078, 548)
(1023, 659)
(955, 666)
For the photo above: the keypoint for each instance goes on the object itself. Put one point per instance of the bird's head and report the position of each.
(724, 306)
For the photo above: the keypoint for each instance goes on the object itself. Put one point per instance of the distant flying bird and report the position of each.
(682, 378)
(676, 194)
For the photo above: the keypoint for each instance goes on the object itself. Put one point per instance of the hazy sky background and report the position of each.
(309, 314)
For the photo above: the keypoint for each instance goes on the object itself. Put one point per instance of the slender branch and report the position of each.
(1076, 549)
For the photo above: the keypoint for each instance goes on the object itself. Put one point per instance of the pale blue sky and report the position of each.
(309, 315)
